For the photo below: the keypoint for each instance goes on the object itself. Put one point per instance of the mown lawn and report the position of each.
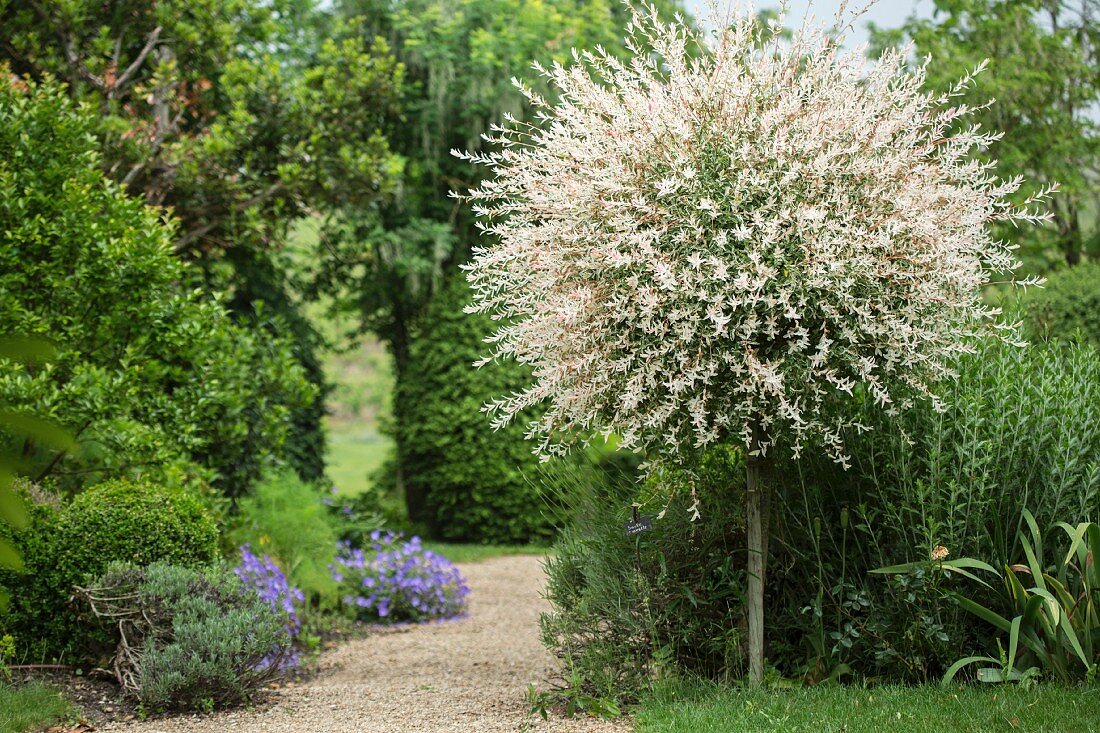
(30, 706)
(476, 553)
(697, 707)
(355, 452)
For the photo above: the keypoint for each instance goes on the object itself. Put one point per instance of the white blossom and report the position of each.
(689, 247)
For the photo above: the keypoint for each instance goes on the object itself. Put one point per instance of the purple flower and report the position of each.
(264, 577)
(402, 580)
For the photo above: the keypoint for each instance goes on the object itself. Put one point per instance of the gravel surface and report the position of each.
(469, 674)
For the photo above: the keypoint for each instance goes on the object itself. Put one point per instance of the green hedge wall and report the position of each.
(473, 480)
(1068, 303)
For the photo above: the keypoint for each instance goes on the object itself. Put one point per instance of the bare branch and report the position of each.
(123, 80)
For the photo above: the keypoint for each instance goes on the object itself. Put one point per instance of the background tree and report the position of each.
(150, 375)
(384, 264)
(698, 250)
(1044, 73)
(239, 117)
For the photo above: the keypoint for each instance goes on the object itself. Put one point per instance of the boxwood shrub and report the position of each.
(1068, 304)
(67, 545)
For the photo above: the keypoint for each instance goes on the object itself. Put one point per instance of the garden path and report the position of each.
(468, 675)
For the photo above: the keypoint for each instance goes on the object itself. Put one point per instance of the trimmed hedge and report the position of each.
(471, 479)
(1068, 303)
(64, 547)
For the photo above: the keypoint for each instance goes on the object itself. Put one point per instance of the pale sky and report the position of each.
(884, 13)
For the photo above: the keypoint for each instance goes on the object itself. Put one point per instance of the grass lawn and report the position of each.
(30, 706)
(697, 707)
(355, 451)
(476, 553)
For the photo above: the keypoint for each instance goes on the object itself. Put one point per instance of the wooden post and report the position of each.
(756, 524)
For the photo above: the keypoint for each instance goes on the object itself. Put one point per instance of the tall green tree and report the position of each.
(1044, 72)
(239, 117)
(459, 59)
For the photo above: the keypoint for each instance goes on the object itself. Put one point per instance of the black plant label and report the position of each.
(638, 525)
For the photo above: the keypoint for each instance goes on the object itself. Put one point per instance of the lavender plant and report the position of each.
(398, 580)
(715, 239)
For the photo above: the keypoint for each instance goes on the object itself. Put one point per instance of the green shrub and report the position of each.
(286, 518)
(64, 547)
(1055, 607)
(467, 481)
(1068, 303)
(626, 609)
(1021, 430)
(193, 639)
(151, 376)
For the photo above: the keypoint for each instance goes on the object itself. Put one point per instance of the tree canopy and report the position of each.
(1044, 73)
(240, 117)
(150, 375)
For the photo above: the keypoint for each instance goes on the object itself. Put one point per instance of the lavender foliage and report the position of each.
(398, 580)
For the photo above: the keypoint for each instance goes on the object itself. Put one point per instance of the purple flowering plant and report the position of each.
(398, 580)
(262, 575)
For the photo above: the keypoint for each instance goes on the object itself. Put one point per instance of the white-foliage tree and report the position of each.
(711, 241)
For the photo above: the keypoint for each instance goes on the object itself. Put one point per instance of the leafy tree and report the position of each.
(385, 264)
(1044, 73)
(240, 117)
(150, 375)
(707, 251)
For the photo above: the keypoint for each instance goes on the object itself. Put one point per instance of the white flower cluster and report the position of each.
(715, 238)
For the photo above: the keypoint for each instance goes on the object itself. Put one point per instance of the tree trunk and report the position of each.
(756, 523)
(400, 342)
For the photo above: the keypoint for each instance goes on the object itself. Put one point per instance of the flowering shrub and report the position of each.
(270, 582)
(710, 241)
(262, 575)
(398, 581)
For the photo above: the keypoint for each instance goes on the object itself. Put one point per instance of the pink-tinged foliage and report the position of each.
(724, 234)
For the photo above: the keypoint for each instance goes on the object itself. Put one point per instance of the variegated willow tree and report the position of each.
(712, 241)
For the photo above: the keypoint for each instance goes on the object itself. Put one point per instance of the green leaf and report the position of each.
(27, 349)
(981, 612)
(965, 661)
(1013, 642)
(1033, 562)
(31, 426)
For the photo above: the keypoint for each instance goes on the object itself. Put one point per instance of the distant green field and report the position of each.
(355, 452)
(476, 553)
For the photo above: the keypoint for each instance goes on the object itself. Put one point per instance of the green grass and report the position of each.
(698, 707)
(476, 553)
(354, 453)
(30, 706)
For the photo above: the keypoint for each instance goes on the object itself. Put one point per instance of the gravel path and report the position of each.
(451, 677)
